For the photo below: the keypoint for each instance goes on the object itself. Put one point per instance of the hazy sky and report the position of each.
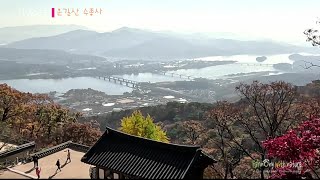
(282, 20)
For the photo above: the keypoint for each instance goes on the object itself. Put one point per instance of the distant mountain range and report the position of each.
(56, 57)
(18, 33)
(130, 43)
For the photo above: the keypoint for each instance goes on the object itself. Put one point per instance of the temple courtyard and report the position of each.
(72, 170)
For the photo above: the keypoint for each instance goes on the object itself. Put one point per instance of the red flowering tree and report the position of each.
(298, 146)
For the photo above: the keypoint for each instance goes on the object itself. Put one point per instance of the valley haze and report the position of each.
(161, 88)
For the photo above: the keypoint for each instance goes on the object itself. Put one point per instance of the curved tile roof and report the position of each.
(54, 149)
(144, 158)
(17, 149)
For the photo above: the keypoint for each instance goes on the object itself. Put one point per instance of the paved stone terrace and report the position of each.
(6, 174)
(74, 170)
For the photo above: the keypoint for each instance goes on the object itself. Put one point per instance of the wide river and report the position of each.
(65, 84)
(213, 72)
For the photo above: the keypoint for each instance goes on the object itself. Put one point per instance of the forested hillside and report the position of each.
(238, 134)
(34, 117)
(271, 121)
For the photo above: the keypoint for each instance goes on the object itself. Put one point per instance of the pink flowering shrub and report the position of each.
(300, 145)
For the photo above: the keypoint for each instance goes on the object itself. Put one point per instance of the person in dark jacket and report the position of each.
(58, 165)
(35, 161)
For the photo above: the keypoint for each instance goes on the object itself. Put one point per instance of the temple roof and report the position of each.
(144, 158)
(18, 149)
(59, 147)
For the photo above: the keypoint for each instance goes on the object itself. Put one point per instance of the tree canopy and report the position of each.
(36, 117)
(138, 125)
(300, 145)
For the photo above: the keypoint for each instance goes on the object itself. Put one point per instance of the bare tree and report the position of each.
(193, 130)
(228, 141)
(272, 106)
(313, 36)
(273, 110)
(265, 111)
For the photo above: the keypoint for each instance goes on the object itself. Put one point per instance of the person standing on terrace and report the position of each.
(38, 170)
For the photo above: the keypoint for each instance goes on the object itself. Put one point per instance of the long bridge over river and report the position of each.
(176, 75)
(255, 64)
(122, 81)
(183, 76)
(136, 84)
